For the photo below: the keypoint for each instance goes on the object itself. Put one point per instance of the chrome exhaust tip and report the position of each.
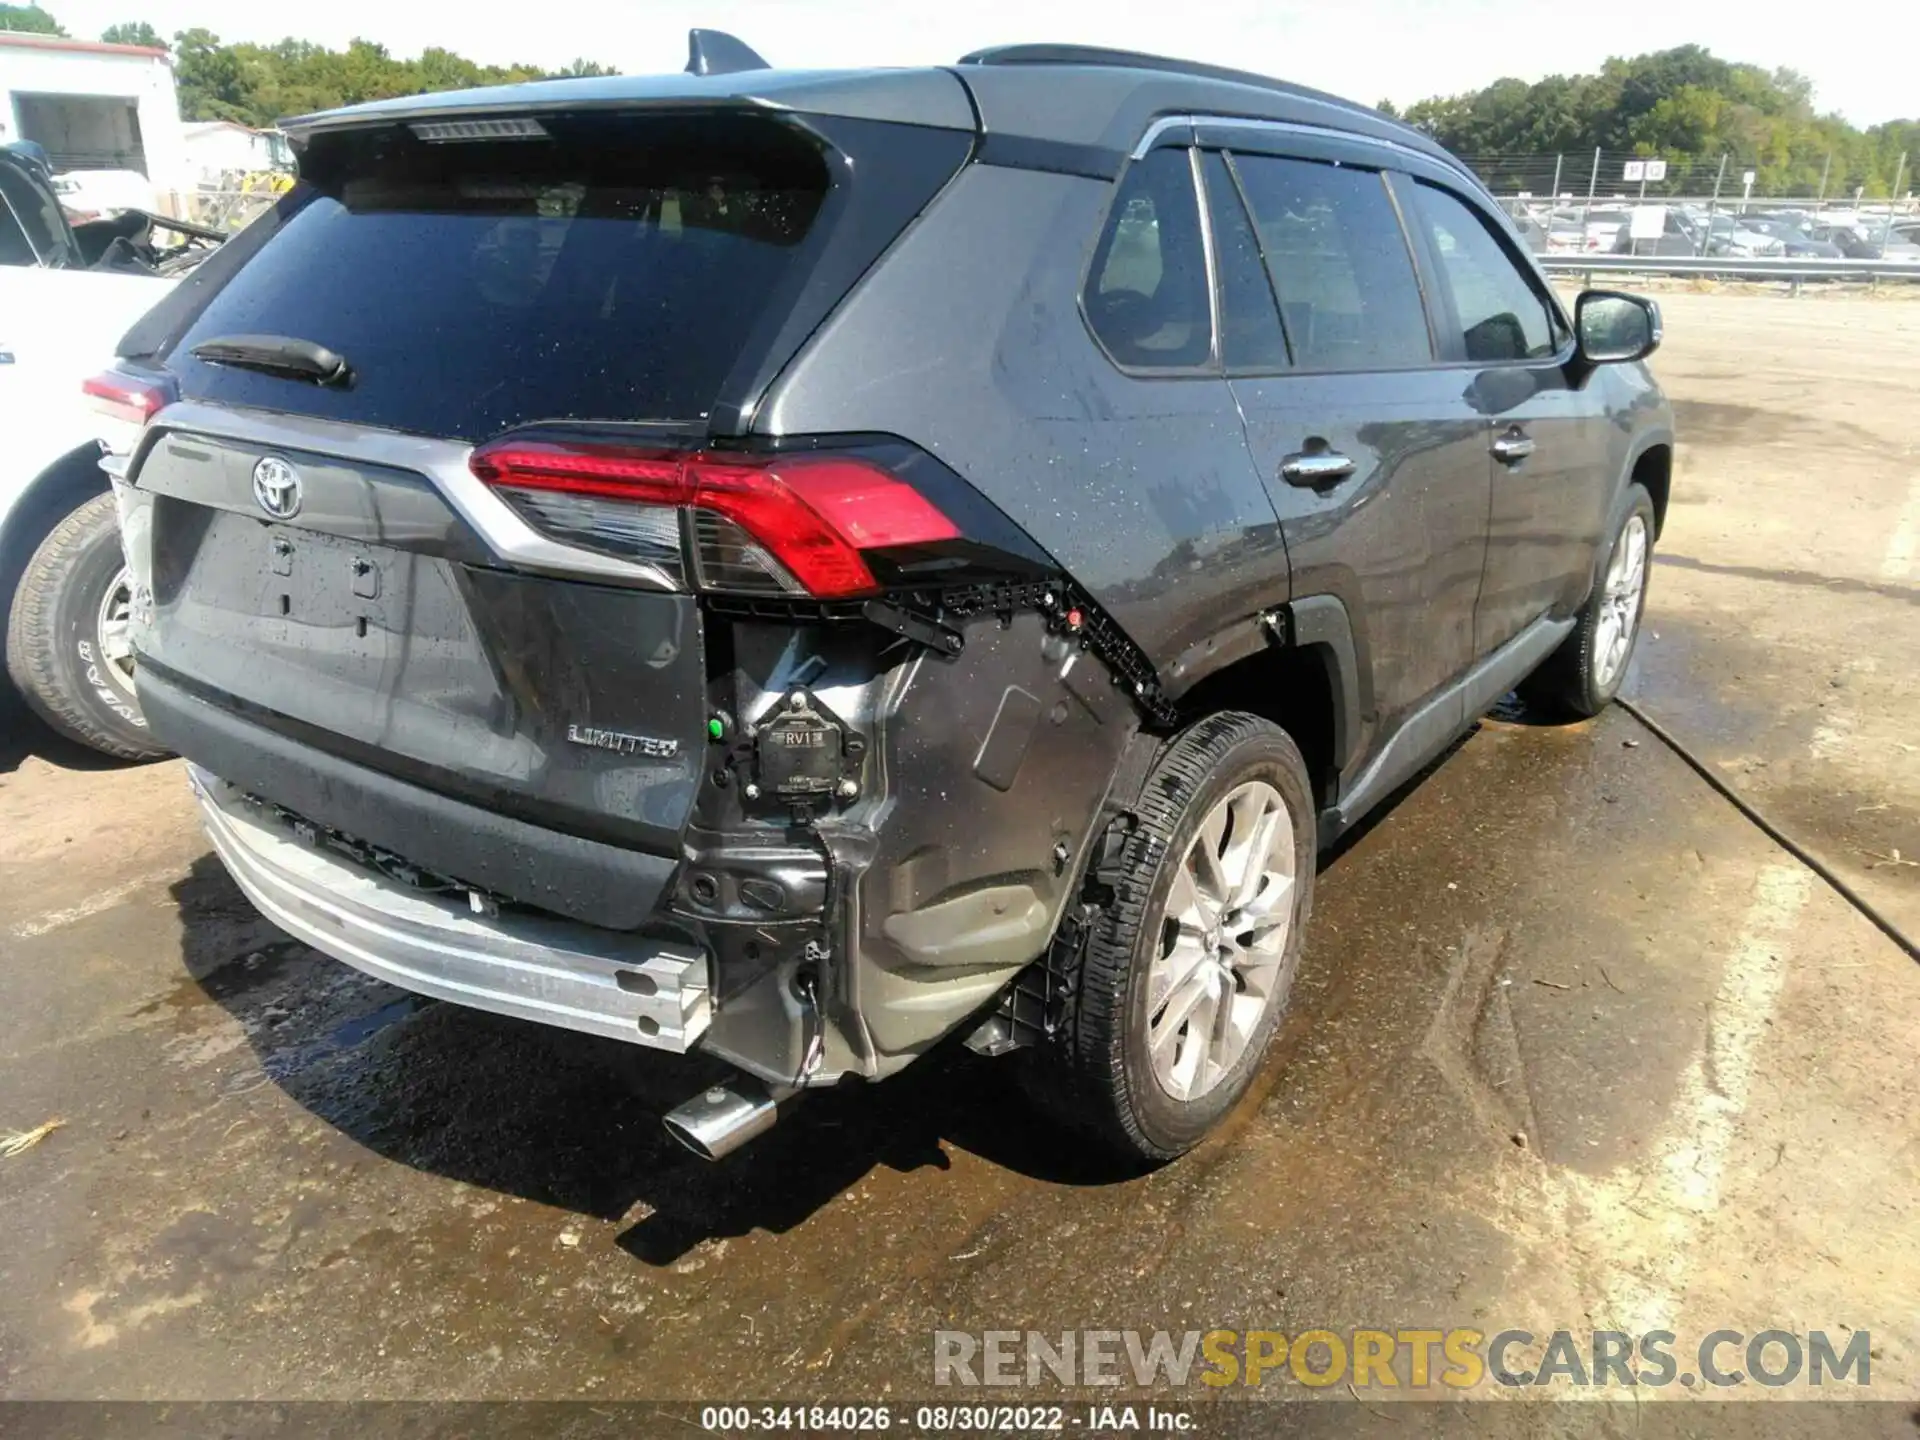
(722, 1118)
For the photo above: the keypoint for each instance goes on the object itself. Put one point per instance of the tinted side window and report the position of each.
(1339, 262)
(1147, 298)
(1501, 315)
(1250, 337)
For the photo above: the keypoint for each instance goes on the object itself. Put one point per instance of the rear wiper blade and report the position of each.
(282, 355)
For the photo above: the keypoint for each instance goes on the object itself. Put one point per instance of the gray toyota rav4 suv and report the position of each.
(797, 565)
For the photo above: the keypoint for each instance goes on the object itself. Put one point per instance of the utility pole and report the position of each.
(1713, 205)
(1555, 192)
(1824, 168)
(1586, 213)
(1893, 195)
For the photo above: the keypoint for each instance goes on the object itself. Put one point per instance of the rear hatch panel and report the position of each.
(371, 623)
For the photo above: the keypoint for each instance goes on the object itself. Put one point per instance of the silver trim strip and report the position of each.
(1284, 127)
(1216, 349)
(625, 987)
(444, 462)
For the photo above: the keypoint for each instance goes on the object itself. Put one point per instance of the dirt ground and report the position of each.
(1575, 1046)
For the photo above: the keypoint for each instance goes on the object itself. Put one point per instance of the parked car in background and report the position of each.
(1591, 230)
(97, 194)
(1732, 236)
(1678, 236)
(1532, 233)
(1900, 243)
(1796, 241)
(797, 565)
(67, 293)
(1851, 244)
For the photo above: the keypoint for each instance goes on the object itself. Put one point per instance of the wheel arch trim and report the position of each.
(1313, 622)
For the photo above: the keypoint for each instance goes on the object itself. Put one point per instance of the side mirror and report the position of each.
(1614, 327)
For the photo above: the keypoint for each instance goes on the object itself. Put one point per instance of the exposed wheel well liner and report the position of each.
(1295, 687)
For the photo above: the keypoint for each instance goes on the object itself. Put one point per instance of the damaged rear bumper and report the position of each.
(626, 987)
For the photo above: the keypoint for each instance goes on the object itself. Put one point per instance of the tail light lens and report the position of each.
(130, 399)
(769, 524)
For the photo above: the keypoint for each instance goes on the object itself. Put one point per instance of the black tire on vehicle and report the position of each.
(1104, 1073)
(55, 652)
(1580, 679)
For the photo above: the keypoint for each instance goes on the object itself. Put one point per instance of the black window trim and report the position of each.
(1209, 369)
(1239, 199)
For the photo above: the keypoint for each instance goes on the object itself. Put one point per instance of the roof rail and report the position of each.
(1136, 60)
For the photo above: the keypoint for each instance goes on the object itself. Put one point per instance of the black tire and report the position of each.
(1097, 1075)
(53, 643)
(1572, 683)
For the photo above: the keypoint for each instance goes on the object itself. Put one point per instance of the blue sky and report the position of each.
(1364, 49)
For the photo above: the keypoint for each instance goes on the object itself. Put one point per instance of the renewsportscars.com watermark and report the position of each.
(1458, 1359)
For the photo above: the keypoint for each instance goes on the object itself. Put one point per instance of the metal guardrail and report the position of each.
(1732, 267)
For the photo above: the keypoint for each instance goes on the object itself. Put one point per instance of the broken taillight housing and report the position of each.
(786, 523)
(129, 401)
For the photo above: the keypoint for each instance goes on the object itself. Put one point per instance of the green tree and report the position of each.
(211, 82)
(136, 32)
(1685, 105)
(582, 69)
(29, 20)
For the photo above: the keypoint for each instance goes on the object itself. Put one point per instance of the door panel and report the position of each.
(1549, 440)
(1375, 461)
(1402, 540)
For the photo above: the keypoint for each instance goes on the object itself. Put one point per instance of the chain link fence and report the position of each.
(233, 202)
(1810, 183)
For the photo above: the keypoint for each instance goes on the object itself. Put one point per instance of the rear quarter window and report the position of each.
(1147, 298)
(614, 270)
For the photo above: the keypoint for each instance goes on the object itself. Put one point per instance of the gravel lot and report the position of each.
(1574, 1046)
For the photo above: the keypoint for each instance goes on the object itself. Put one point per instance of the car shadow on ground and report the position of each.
(22, 735)
(573, 1121)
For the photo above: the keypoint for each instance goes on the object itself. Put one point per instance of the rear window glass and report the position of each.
(614, 269)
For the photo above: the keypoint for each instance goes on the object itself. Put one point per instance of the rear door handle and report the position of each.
(1315, 468)
(1513, 447)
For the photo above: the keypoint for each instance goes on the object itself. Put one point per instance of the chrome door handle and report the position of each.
(1513, 447)
(1315, 468)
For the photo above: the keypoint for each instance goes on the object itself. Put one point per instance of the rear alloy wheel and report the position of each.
(68, 646)
(1185, 975)
(1581, 678)
(1222, 941)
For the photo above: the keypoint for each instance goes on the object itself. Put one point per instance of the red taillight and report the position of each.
(814, 514)
(126, 397)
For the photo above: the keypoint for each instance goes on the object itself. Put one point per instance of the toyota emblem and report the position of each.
(276, 488)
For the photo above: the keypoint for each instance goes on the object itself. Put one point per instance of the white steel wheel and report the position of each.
(1223, 941)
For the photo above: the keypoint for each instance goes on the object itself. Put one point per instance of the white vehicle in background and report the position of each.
(94, 194)
(1575, 230)
(67, 295)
